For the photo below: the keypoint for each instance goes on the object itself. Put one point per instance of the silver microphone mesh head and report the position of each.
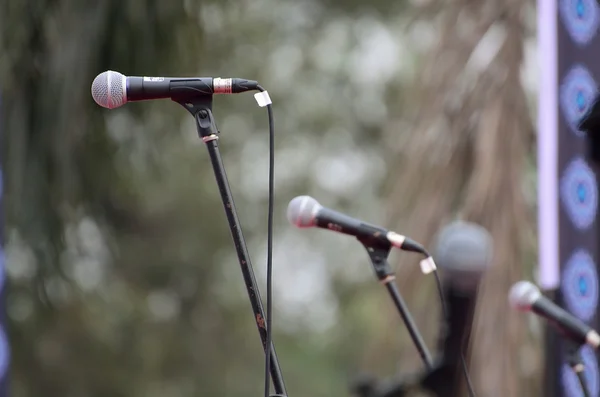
(302, 211)
(109, 89)
(464, 252)
(523, 294)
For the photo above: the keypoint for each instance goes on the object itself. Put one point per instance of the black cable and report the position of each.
(270, 211)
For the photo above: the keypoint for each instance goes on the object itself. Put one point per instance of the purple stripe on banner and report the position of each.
(549, 271)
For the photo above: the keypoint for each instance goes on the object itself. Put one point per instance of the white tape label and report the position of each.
(428, 265)
(262, 98)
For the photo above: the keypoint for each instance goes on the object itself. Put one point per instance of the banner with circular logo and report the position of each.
(579, 193)
(580, 285)
(569, 37)
(581, 19)
(577, 94)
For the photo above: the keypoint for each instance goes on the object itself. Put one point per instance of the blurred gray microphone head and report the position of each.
(109, 89)
(302, 211)
(523, 295)
(463, 251)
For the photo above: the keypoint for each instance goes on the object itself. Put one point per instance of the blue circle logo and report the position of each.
(579, 194)
(569, 379)
(577, 94)
(580, 18)
(579, 285)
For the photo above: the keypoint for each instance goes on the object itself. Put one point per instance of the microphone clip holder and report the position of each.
(200, 107)
(378, 254)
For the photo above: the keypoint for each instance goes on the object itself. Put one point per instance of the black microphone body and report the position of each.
(461, 311)
(148, 88)
(305, 211)
(566, 323)
(329, 219)
(525, 296)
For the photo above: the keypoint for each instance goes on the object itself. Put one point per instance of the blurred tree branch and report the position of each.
(466, 158)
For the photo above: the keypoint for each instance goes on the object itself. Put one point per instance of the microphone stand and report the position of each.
(378, 254)
(438, 378)
(576, 363)
(200, 108)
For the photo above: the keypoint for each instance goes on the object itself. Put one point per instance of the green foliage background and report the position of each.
(123, 279)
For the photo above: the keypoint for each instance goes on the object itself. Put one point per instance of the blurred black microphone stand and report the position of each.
(369, 387)
(200, 107)
(378, 253)
(576, 364)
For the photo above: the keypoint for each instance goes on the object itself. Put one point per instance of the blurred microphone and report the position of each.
(112, 89)
(525, 296)
(305, 211)
(463, 253)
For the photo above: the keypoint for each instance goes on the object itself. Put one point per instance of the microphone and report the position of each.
(525, 296)
(305, 211)
(463, 252)
(111, 89)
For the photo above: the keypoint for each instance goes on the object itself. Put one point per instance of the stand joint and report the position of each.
(378, 253)
(201, 108)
